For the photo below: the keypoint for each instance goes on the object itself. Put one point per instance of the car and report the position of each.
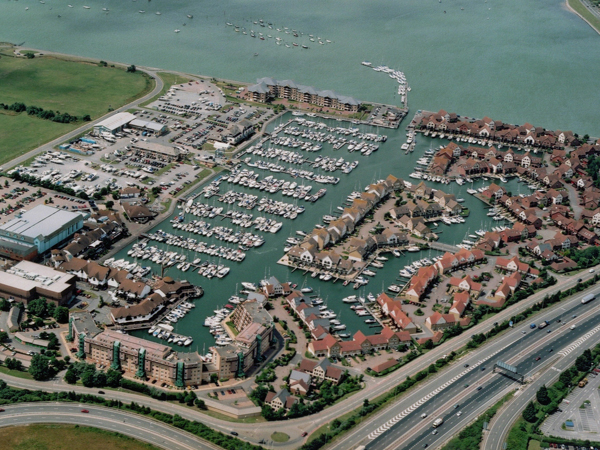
(456, 406)
(482, 369)
(579, 280)
(234, 433)
(573, 316)
(458, 414)
(548, 331)
(591, 270)
(538, 358)
(466, 365)
(423, 415)
(85, 411)
(466, 385)
(551, 350)
(558, 321)
(425, 445)
(524, 332)
(101, 392)
(304, 434)
(479, 388)
(262, 441)
(434, 432)
(1, 409)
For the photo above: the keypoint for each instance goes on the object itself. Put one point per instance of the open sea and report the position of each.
(512, 60)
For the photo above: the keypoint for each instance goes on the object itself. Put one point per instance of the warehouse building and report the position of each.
(28, 281)
(37, 231)
(160, 152)
(114, 123)
(152, 128)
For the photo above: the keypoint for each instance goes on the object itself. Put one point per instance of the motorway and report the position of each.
(296, 427)
(135, 426)
(402, 426)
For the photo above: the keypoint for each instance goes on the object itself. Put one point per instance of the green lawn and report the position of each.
(591, 18)
(16, 373)
(66, 437)
(278, 436)
(74, 87)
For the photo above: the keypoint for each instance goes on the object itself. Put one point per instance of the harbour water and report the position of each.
(261, 262)
(512, 60)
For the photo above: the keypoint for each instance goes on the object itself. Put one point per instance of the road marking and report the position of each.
(579, 341)
(394, 420)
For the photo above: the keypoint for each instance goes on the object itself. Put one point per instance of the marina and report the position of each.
(196, 231)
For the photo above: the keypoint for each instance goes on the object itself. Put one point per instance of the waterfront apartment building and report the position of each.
(136, 357)
(267, 88)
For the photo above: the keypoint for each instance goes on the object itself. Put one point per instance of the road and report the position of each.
(135, 426)
(375, 387)
(401, 425)
(501, 425)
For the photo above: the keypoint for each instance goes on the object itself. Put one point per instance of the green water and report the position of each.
(531, 61)
(514, 60)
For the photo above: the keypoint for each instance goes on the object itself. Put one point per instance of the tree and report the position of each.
(113, 378)
(87, 378)
(61, 314)
(131, 69)
(110, 204)
(529, 414)
(3, 336)
(200, 403)
(428, 345)
(13, 364)
(70, 377)
(4, 305)
(99, 379)
(542, 395)
(565, 377)
(38, 307)
(86, 118)
(39, 367)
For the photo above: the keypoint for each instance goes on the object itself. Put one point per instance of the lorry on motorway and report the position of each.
(438, 422)
(583, 382)
(544, 324)
(588, 298)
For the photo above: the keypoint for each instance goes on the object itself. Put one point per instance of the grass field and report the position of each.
(585, 13)
(66, 86)
(66, 437)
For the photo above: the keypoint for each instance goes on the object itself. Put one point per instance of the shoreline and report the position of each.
(571, 9)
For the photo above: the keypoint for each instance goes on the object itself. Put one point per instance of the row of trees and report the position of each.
(17, 176)
(46, 114)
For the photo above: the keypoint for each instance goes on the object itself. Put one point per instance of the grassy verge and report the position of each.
(15, 373)
(585, 13)
(66, 437)
(218, 415)
(58, 85)
(169, 79)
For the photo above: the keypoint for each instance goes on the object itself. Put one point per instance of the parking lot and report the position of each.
(110, 163)
(581, 408)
